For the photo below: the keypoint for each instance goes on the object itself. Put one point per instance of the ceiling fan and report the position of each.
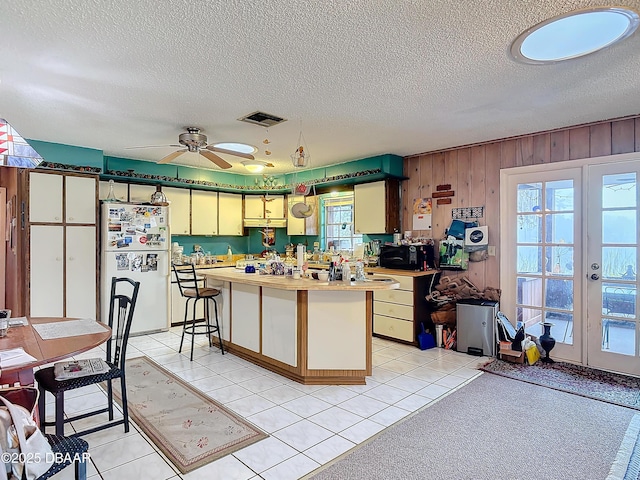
(194, 141)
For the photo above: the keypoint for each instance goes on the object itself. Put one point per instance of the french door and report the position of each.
(611, 263)
(571, 237)
(541, 274)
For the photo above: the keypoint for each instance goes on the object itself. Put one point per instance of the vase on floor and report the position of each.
(547, 341)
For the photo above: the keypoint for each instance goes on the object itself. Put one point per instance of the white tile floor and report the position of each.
(308, 425)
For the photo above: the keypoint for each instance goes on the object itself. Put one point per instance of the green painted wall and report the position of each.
(67, 154)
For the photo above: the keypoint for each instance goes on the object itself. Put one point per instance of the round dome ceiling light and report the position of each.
(574, 34)
(237, 147)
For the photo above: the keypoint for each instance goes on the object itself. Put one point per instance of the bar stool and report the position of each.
(192, 287)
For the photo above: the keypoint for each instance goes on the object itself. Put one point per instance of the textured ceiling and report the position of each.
(360, 78)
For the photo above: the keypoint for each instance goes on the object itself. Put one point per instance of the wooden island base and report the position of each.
(315, 333)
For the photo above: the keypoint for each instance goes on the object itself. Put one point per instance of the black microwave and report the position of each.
(407, 257)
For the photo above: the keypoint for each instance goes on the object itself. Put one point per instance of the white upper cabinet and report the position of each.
(263, 210)
(229, 214)
(80, 203)
(141, 193)
(274, 206)
(46, 203)
(120, 190)
(179, 210)
(253, 206)
(377, 207)
(45, 197)
(204, 212)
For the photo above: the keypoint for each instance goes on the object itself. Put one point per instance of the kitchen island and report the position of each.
(307, 330)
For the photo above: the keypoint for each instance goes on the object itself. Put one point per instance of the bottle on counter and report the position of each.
(346, 272)
(229, 254)
(359, 274)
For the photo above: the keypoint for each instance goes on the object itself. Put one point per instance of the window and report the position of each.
(337, 222)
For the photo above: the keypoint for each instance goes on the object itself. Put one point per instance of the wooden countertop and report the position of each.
(287, 283)
(378, 270)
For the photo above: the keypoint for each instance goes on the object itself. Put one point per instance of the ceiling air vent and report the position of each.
(263, 119)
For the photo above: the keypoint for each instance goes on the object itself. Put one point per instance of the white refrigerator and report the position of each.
(135, 243)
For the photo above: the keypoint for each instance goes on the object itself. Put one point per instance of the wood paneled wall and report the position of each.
(474, 174)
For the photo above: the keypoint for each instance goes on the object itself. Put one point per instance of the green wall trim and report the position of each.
(68, 157)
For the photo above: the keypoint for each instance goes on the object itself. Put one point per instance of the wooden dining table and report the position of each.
(44, 351)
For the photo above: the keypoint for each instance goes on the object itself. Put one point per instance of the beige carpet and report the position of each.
(494, 428)
(190, 428)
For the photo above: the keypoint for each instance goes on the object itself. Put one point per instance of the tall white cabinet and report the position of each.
(62, 220)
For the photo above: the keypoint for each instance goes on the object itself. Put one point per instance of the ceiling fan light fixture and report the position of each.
(237, 147)
(574, 34)
(254, 166)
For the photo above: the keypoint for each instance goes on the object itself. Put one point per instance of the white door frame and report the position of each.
(507, 239)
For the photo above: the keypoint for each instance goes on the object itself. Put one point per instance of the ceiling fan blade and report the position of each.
(172, 156)
(248, 156)
(215, 159)
(152, 146)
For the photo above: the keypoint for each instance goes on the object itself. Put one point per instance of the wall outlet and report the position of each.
(491, 251)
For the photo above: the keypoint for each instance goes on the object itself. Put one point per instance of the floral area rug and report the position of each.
(609, 387)
(190, 428)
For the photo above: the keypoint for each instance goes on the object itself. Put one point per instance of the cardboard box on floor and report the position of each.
(514, 356)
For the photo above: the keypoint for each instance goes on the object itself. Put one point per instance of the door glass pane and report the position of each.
(559, 228)
(529, 197)
(562, 329)
(619, 300)
(619, 226)
(529, 259)
(619, 262)
(559, 294)
(559, 195)
(618, 336)
(619, 190)
(561, 260)
(530, 317)
(529, 291)
(529, 228)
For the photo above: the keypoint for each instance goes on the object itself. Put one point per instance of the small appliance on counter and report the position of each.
(407, 257)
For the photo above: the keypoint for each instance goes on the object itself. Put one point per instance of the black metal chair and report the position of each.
(68, 450)
(192, 288)
(121, 310)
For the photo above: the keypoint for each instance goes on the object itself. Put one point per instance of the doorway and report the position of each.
(571, 233)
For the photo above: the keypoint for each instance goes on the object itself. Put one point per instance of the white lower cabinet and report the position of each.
(47, 271)
(279, 320)
(81, 272)
(393, 310)
(63, 277)
(245, 308)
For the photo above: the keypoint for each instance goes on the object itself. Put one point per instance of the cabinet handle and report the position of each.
(56, 218)
(71, 218)
(71, 259)
(58, 259)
